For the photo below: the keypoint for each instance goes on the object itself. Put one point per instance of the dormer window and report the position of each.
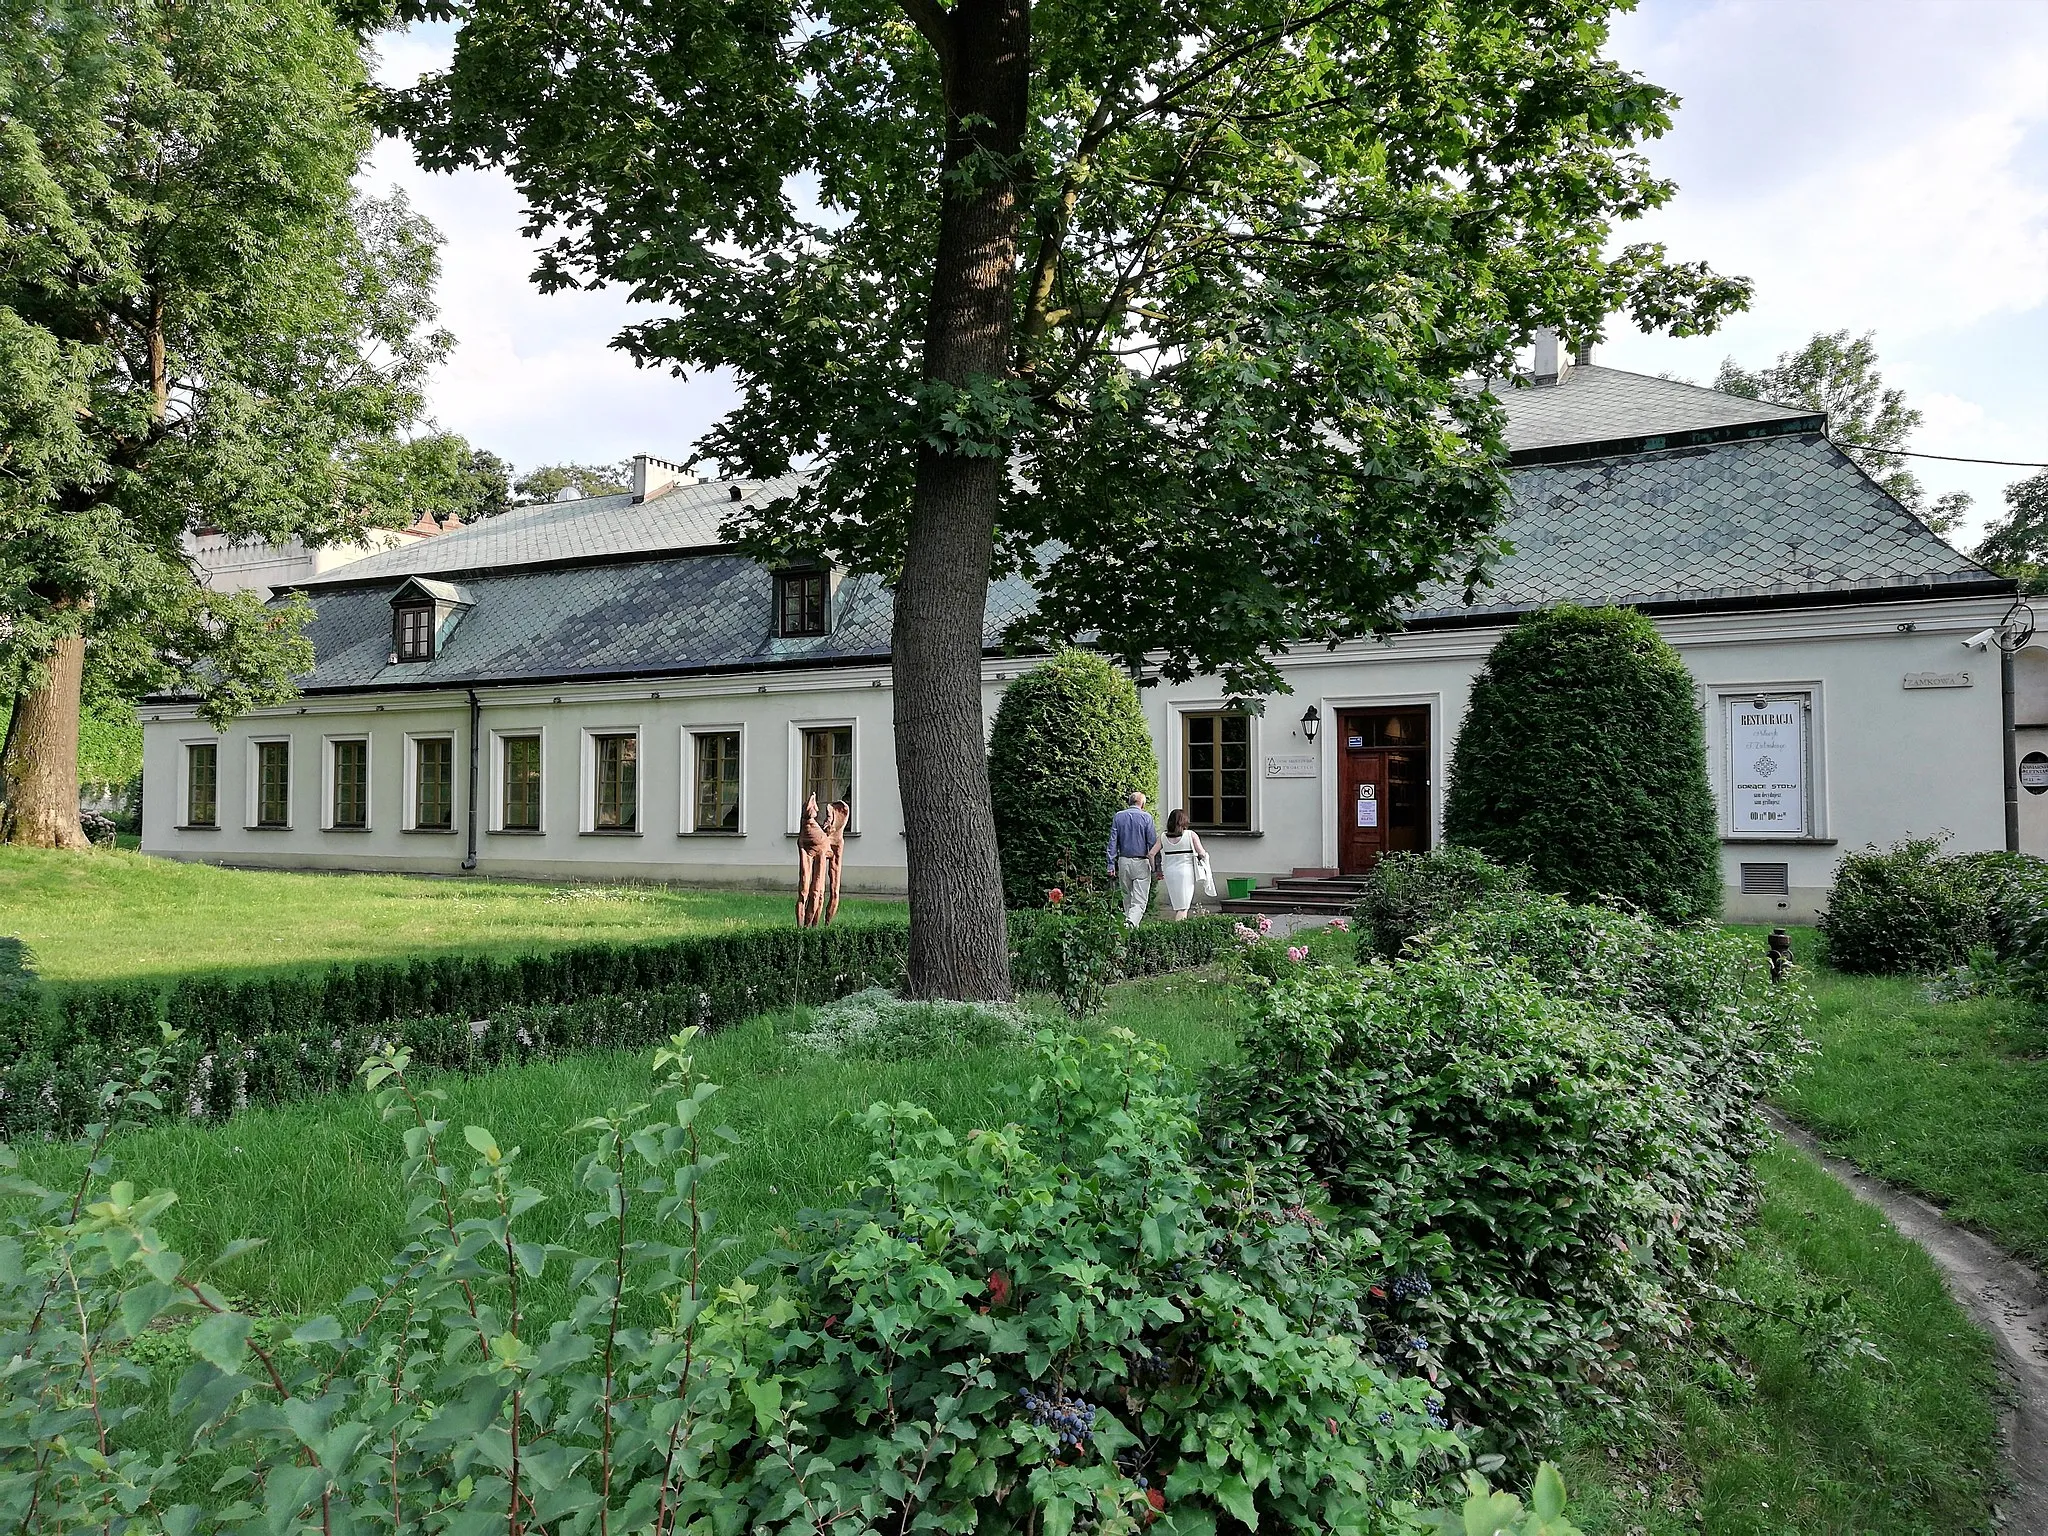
(802, 603)
(423, 615)
(415, 632)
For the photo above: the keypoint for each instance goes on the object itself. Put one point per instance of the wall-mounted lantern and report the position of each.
(1311, 721)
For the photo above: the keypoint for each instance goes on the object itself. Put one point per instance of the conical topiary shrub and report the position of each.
(1583, 757)
(1069, 744)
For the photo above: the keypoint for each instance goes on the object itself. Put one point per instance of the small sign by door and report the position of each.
(1368, 805)
(2034, 773)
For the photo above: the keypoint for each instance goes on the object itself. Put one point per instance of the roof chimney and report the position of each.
(652, 477)
(1550, 366)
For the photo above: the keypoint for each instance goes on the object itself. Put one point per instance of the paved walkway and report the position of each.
(2007, 1299)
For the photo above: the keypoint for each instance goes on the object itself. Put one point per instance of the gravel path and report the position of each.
(2007, 1299)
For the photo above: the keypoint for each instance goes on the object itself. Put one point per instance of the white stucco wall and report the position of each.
(1888, 761)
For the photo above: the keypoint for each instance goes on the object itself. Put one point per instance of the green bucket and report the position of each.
(1241, 886)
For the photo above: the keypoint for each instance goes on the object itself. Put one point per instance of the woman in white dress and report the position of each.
(1179, 852)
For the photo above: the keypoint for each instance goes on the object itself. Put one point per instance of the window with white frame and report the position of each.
(1216, 770)
(519, 781)
(271, 784)
(611, 774)
(202, 784)
(827, 764)
(1769, 767)
(348, 783)
(714, 786)
(430, 783)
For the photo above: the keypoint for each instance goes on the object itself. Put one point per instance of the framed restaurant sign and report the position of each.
(1769, 755)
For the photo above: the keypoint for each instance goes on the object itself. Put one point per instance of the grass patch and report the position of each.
(1750, 1437)
(320, 1181)
(115, 916)
(1943, 1098)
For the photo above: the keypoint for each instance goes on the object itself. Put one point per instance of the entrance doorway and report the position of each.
(1382, 785)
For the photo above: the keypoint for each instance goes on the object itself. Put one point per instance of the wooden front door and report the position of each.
(1382, 785)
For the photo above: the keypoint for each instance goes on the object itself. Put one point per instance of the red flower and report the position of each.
(1055, 895)
(999, 1287)
(1158, 1502)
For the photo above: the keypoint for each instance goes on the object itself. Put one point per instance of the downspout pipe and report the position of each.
(476, 711)
(2012, 767)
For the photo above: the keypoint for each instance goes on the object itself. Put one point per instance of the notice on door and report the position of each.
(1767, 766)
(1368, 806)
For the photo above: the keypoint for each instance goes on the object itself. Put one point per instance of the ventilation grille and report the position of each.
(1766, 879)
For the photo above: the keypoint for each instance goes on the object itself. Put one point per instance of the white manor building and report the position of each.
(600, 689)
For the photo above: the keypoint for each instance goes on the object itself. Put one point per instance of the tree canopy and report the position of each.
(202, 324)
(1261, 242)
(546, 482)
(1170, 308)
(2017, 544)
(1837, 373)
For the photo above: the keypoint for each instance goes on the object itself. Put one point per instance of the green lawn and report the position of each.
(320, 1181)
(1750, 1438)
(1950, 1099)
(117, 916)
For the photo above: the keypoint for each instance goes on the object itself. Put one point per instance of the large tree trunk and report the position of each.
(39, 773)
(958, 943)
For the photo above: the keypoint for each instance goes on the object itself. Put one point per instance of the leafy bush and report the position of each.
(1150, 949)
(1583, 757)
(1544, 1112)
(1068, 744)
(1408, 892)
(21, 999)
(877, 1025)
(1906, 909)
(1075, 949)
(1059, 1325)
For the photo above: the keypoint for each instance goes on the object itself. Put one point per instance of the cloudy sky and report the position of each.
(1878, 165)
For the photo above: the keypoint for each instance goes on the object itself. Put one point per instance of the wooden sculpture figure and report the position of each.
(820, 848)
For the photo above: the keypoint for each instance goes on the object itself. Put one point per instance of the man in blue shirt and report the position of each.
(1133, 844)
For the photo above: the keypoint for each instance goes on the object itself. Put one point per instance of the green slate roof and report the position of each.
(1626, 489)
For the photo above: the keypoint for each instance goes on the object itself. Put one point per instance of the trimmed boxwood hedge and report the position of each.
(1068, 744)
(1583, 757)
(267, 1040)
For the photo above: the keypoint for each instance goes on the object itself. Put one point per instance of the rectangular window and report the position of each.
(433, 793)
(273, 783)
(522, 784)
(351, 809)
(828, 764)
(615, 767)
(416, 634)
(1218, 776)
(718, 781)
(202, 785)
(800, 602)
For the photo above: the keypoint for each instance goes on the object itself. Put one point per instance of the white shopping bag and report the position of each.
(1202, 873)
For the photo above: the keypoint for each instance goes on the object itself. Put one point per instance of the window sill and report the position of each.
(428, 831)
(197, 826)
(270, 826)
(1226, 832)
(344, 829)
(1764, 840)
(611, 832)
(713, 832)
(515, 832)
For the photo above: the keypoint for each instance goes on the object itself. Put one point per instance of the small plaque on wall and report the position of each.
(1294, 766)
(1937, 680)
